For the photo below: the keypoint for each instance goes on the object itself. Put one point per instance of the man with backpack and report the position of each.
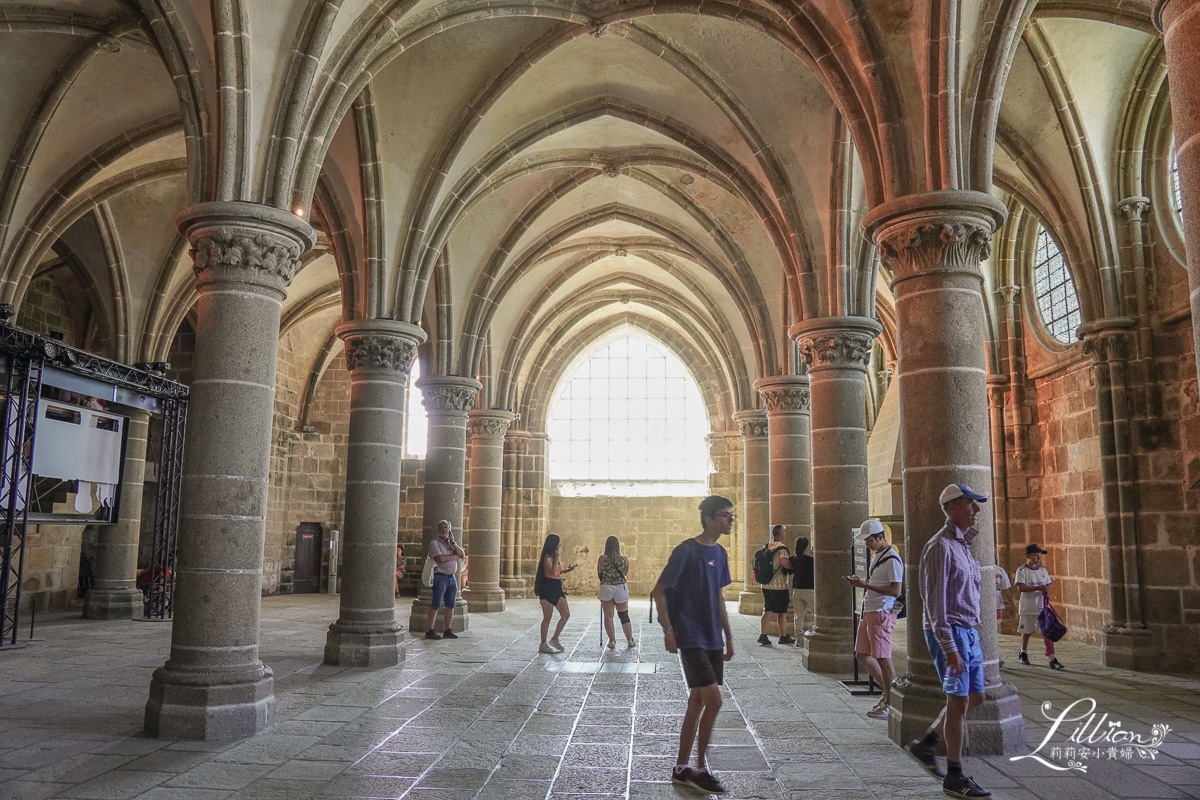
(883, 587)
(772, 568)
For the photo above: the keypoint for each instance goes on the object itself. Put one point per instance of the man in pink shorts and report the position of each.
(885, 581)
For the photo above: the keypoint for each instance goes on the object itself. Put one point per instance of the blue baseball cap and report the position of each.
(957, 490)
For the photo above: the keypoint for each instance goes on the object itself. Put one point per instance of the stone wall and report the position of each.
(45, 310)
(648, 527)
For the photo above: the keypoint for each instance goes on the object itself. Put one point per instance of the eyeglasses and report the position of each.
(727, 515)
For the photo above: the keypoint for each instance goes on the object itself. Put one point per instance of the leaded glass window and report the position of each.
(1176, 194)
(629, 412)
(1054, 289)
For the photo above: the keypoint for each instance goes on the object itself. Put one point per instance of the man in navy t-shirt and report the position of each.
(696, 626)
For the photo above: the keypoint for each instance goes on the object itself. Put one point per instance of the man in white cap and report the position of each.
(950, 592)
(885, 581)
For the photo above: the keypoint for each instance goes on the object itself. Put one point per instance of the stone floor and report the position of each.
(487, 717)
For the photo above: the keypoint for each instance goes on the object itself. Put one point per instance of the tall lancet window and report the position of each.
(416, 423)
(628, 419)
(1054, 289)
(1173, 181)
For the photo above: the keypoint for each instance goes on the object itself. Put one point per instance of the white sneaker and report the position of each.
(632, 643)
(879, 710)
(545, 648)
(557, 645)
(612, 645)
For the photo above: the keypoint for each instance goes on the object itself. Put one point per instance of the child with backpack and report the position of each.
(772, 568)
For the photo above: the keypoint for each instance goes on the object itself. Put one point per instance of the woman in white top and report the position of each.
(612, 569)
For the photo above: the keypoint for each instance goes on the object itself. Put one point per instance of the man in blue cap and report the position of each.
(950, 592)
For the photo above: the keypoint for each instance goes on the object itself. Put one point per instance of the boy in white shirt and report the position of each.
(1033, 581)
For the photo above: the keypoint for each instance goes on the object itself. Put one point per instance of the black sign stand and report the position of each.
(860, 558)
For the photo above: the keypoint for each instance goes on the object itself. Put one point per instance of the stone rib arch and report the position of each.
(570, 343)
(483, 307)
(668, 302)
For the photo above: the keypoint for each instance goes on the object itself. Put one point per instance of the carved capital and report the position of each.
(935, 231)
(1107, 340)
(245, 242)
(448, 395)
(376, 352)
(1009, 293)
(843, 349)
(1134, 209)
(491, 424)
(787, 394)
(751, 424)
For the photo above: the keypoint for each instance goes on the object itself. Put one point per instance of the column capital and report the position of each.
(836, 342)
(245, 243)
(1134, 209)
(489, 423)
(380, 345)
(752, 424)
(785, 394)
(942, 231)
(1009, 293)
(444, 394)
(1107, 340)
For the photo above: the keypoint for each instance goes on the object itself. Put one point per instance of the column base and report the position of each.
(348, 646)
(994, 728)
(112, 604)
(750, 604)
(515, 588)
(828, 654)
(484, 600)
(1130, 648)
(419, 617)
(179, 708)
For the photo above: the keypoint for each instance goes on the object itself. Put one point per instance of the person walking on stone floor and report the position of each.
(547, 586)
(446, 552)
(878, 617)
(691, 609)
(1033, 581)
(804, 601)
(612, 569)
(950, 592)
(776, 591)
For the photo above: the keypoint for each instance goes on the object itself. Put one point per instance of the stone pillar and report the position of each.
(836, 351)
(1179, 21)
(447, 399)
(379, 354)
(934, 243)
(214, 685)
(756, 497)
(725, 455)
(114, 594)
(483, 528)
(1125, 641)
(526, 508)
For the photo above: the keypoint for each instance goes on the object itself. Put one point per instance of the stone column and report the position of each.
(379, 355)
(1179, 21)
(934, 243)
(483, 526)
(756, 500)
(526, 508)
(447, 399)
(836, 351)
(1125, 641)
(115, 594)
(214, 685)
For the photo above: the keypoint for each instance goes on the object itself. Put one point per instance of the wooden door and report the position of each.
(307, 577)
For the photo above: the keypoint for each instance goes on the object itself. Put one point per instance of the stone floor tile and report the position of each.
(172, 793)
(578, 780)
(368, 786)
(115, 785)
(453, 778)
(515, 790)
(305, 770)
(220, 775)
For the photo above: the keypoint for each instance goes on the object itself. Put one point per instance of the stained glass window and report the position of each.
(1054, 289)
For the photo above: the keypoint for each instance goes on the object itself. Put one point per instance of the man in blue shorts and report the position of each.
(950, 586)
(446, 552)
(691, 609)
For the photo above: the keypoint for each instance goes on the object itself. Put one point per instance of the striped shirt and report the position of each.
(949, 584)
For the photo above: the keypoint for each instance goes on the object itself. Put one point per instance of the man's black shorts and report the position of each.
(775, 601)
(702, 667)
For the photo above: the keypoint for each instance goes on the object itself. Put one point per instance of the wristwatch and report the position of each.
(668, 629)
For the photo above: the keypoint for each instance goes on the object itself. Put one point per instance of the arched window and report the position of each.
(1176, 193)
(628, 413)
(1054, 289)
(416, 422)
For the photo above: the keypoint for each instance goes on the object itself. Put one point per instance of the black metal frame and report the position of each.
(25, 356)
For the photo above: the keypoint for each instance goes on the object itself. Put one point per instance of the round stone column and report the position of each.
(447, 401)
(114, 594)
(214, 685)
(1179, 21)
(756, 501)
(836, 351)
(379, 354)
(934, 243)
(483, 526)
